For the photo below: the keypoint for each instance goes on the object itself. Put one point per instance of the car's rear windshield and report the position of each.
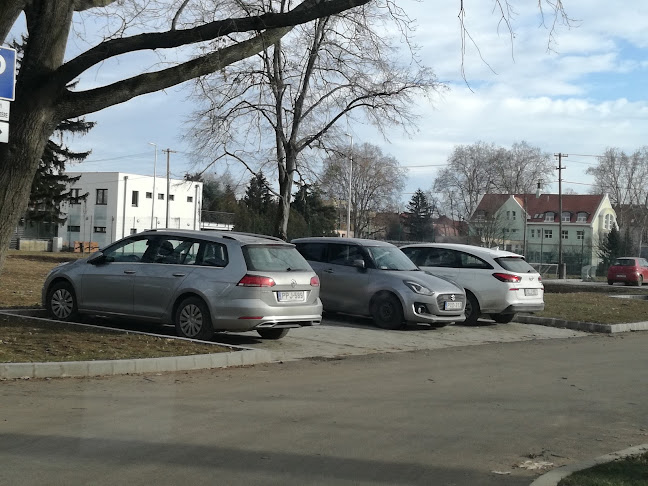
(624, 262)
(274, 258)
(515, 264)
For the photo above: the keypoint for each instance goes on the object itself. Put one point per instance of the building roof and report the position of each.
(536, 207)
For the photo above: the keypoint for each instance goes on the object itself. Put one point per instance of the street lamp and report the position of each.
(153, 196)
(350, 179)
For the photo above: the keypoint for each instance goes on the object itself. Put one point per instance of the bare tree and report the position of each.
(291, 97)
(45, 92)
(377, 181)
(480, 168)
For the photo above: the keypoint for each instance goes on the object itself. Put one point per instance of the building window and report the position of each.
(171, 197)
(133, 231)
(74, 229)
(135, 199)
(514, 231)
(161, 197)
(102, 197)
(189, 198)
(565, 234)
(581, 217)
(149, 195)
(74, 196)
(566, 216)
(513, 215)
(549, 216)
(548, 234)
(609, 222)
(580, 235)
(99, 229)
(532, 233)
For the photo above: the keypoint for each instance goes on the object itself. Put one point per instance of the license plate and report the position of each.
(530, 291)
(453, 305)
(291, 296)
(620, 276)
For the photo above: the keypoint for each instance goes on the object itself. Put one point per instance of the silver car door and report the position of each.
(344, 286)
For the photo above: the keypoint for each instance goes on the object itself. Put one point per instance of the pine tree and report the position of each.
(319, 218)
(419, 217)
(258, 197)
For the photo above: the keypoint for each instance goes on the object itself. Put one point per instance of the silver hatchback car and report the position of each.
(202, 282)
(374, 278)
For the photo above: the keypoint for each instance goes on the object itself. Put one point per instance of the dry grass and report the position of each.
(594, 307)
(22, 341)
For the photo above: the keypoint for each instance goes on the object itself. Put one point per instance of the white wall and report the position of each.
(120, 216)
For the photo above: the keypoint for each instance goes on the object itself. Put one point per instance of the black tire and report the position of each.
(192, 320)
(387, 312)
(61, 302)
(472, 310)
(272, 333)
(640, 281)
(503, 318)
(610, 282)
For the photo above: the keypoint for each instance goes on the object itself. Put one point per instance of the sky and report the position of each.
(577, 91)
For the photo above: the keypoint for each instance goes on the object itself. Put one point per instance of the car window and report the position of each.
(315, 252)
(624, 262)
(515, 264)
(276, 258)
(131, 250)
(212, 254)
(643, 262)
(390, 258)
(472, 261)
(417, 255)
(340, 254)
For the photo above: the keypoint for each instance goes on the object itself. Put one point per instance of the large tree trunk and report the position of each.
(286, 180)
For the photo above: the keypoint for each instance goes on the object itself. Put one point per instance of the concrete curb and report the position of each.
(552, 478)
(583, 326)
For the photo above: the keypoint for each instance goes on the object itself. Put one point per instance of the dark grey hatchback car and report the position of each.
(202, 282)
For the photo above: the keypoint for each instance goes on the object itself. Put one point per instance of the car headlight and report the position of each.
(418, 288)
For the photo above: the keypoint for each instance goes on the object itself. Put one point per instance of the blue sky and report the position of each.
(585, 94)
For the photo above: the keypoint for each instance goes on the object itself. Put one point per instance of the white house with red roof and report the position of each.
(531, 226)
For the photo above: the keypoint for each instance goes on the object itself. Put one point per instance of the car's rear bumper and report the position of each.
(514, 308)
(250, 315)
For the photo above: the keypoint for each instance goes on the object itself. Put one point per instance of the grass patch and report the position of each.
(630, 471)
(593, 307)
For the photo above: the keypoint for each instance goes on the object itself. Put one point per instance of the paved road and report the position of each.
(447, 416)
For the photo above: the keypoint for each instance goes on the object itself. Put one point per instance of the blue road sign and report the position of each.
(7, 73)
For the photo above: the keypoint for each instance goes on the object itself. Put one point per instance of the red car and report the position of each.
(629, 270)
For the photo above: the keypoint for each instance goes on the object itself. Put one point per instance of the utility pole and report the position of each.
(168, 195)
(561, 272)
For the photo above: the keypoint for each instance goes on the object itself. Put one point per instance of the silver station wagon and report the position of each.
(374, 278)
(202, 282)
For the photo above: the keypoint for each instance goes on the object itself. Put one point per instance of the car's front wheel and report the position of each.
(387, 312)
(472, 310)
(272, 333)
(192, 320)
(61, 302)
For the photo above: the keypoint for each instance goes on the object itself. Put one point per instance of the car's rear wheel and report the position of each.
(61, 302)
(472, 310)
(192, 320)
(387, 312)
(640, 281)
(503, 318)
(272, 333)
(610, 282)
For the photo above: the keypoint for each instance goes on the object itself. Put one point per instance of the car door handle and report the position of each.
(328, 270)
(129, 272)
(179, 274)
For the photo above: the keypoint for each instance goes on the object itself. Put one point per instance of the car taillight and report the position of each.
(256, 281)
(314, 281)
(507, 277)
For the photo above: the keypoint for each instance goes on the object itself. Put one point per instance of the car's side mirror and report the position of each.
(359, 264)
(98, 259)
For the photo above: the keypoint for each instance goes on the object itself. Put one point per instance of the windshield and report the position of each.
(515, 264)
(279, 258)
(390, 258)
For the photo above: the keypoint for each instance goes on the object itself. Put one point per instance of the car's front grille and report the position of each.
(441, 298)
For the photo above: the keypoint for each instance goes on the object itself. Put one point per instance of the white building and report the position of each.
(119, 204)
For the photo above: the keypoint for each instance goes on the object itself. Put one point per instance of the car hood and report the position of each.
(438, 284)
